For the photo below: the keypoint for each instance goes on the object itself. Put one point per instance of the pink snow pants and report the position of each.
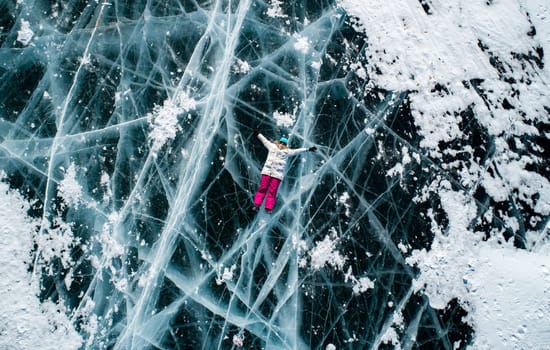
(268, 185)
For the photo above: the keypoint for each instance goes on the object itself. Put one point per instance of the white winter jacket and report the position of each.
(275, 163)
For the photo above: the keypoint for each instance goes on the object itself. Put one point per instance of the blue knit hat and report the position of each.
(284, 140)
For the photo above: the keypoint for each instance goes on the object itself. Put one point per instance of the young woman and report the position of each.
(274, 169)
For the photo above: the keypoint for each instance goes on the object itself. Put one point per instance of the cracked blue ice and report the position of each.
(131, 128)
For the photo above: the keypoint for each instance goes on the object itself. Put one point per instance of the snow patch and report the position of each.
(69, 188)
(344, 200)
(362, 285)
(284, 119)
(503, 289)
(325, 253)
(26, 323)
(514, 286)
(275, 10)
(302, 43)
(436, 56)
(25, 34)
(56, 242)
(164, 119)
(241, 67)
(227, 274)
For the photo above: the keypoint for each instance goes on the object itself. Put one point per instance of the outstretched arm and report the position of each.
(293, 152)
(265, 141)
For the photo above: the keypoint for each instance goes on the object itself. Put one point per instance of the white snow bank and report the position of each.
(414, 49)
(506, 291)
(510, 297)
(25, 323)
(409, 49)
(515, 177)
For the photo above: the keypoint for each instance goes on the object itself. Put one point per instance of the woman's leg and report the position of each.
(262, 190)
(272, 193)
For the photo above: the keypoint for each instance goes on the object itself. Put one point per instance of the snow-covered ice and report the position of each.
(25, 322)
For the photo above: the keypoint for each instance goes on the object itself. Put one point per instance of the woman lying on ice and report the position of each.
(274, 169)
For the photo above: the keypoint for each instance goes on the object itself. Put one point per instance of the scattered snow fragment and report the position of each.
(352, 339)
(227, 275)
(56, 242)
(344, 200)
(68, 280)
(325, 253)
(362, 285)
(119, 95)
(69, 188)
(406, 156)
(105, 182)
(25, 34)
(390, 337)
(358, 68)
(302, 43)
(110, 247)
(397, 169)
(164, 119)
(316, 64)
(284, 119)
(241, 67)
(144, 279)
(299, 244)
(275, 10)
